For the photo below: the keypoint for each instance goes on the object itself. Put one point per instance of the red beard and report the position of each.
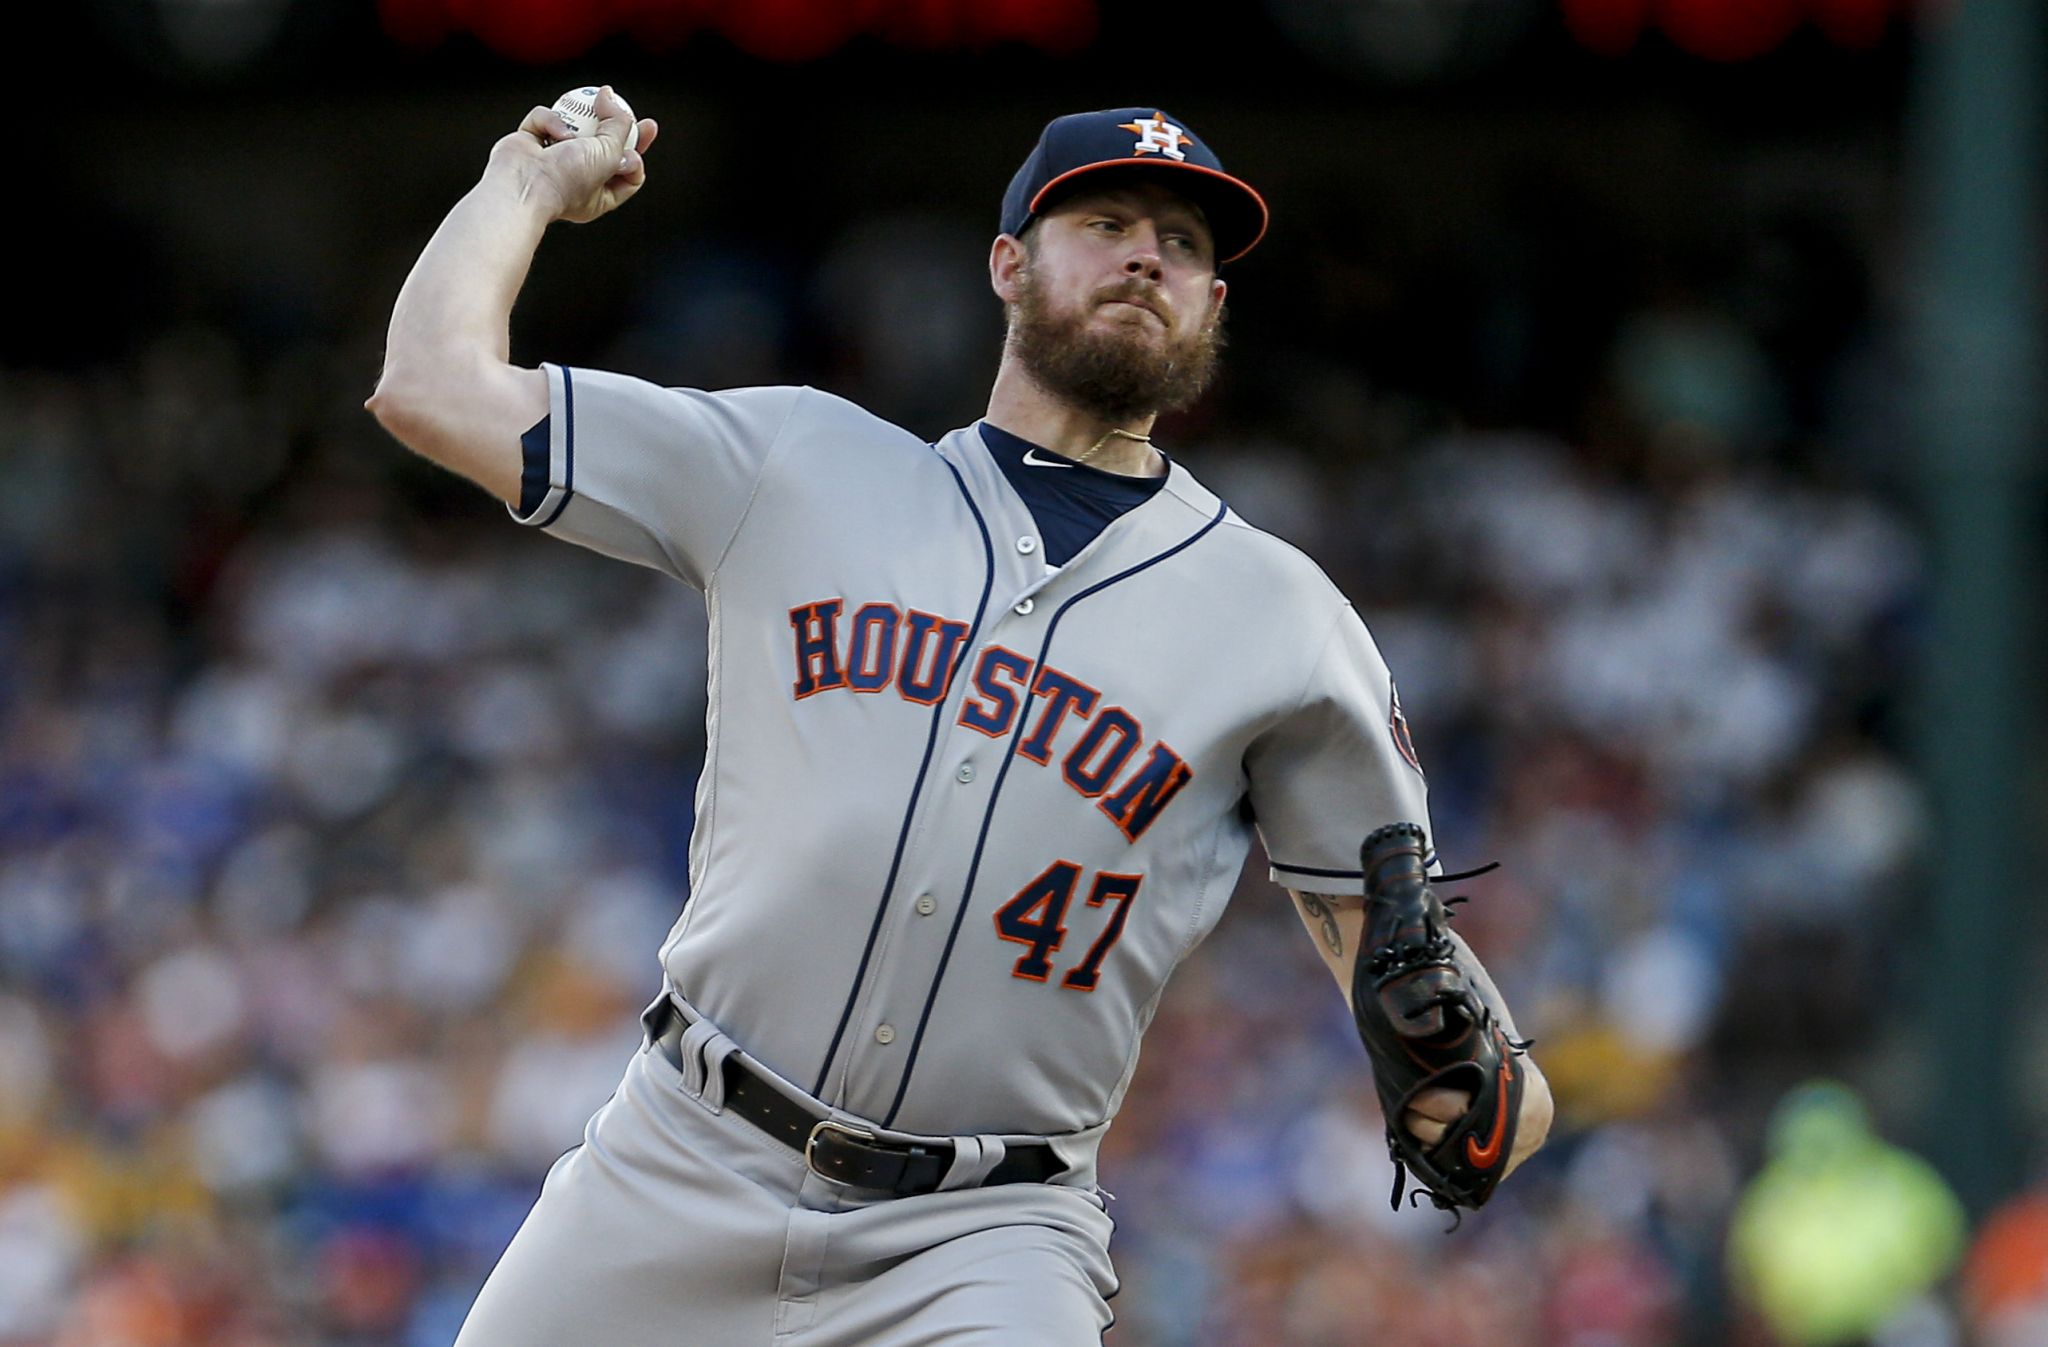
(1116, 375)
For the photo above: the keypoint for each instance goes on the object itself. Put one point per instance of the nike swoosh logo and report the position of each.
(1031, 457)
(1487, 1156)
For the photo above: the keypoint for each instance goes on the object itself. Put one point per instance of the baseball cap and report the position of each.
(1073, 149)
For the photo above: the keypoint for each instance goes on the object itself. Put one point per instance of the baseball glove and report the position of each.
(1424, 1024)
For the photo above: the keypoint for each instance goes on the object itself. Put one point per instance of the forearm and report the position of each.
(1538, 1108)
(1337, 924)
(448, 389)
(456, 304)
(1482, 983)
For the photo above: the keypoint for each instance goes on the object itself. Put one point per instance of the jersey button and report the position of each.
(885, 1035)
(926, 905)
(1027, 544)
(1024, 609)
(965, 774)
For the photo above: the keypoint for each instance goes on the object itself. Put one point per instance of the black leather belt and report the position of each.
(841, 1151)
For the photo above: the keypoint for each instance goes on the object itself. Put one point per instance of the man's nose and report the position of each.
(1145, 258)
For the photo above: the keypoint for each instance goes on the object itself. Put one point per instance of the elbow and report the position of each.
(416, 407)
(463, 416)
(398, 405)
(383, 400)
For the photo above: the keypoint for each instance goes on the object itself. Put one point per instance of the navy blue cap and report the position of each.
(1073, 148)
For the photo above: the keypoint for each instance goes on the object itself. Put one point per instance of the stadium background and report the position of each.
(340, 818)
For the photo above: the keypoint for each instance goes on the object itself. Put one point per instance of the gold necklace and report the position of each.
(1145, 440)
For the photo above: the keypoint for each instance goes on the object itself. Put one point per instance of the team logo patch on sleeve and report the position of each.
(1397, 725)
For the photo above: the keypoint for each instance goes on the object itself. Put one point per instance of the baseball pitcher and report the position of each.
(993, 719)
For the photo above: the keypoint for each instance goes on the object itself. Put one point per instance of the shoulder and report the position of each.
(835, 441)
(818, 412)
(1267, 569)
(1282, 561)
(787, 410)
(618, 402)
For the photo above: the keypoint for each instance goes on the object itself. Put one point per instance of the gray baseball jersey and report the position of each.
(961, 817)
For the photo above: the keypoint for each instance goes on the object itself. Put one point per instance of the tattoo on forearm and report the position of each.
(1317, 908)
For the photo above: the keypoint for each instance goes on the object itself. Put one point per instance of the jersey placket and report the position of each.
(922, 915)
(931, 883)
(892, 1013)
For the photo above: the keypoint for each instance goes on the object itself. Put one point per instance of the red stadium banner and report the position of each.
(543, 31)
(1728, 30)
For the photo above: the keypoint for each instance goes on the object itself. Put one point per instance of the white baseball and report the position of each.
(578, 108)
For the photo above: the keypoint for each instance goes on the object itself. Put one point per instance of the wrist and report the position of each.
(520, 193)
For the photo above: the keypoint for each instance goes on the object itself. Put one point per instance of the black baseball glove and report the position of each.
(1424, 1024)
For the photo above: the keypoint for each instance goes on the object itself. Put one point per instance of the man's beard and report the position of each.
(1116, 375)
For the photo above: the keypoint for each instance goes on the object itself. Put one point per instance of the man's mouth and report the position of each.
(1139, 304)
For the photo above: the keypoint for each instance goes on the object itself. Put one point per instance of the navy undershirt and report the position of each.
(1071, 504)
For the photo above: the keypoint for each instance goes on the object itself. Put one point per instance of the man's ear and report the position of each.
(1006, 257)
(1217, 289)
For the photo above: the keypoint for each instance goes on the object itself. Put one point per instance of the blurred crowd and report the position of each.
(340, 819)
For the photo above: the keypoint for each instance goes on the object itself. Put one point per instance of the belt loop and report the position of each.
(700, 1074)
(655, 1020)
(974, 1159)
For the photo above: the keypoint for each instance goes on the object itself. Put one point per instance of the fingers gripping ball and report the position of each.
(1425, 1026)
(578, 108)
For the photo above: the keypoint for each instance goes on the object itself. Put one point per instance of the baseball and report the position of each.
(578, 108)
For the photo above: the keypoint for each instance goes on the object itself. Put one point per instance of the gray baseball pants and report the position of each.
(680, 1224)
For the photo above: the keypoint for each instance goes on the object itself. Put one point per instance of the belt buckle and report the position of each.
(851, 1132)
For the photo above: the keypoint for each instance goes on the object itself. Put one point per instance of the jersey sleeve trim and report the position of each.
(1285, 874)
(560, 467)
(533, 465)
